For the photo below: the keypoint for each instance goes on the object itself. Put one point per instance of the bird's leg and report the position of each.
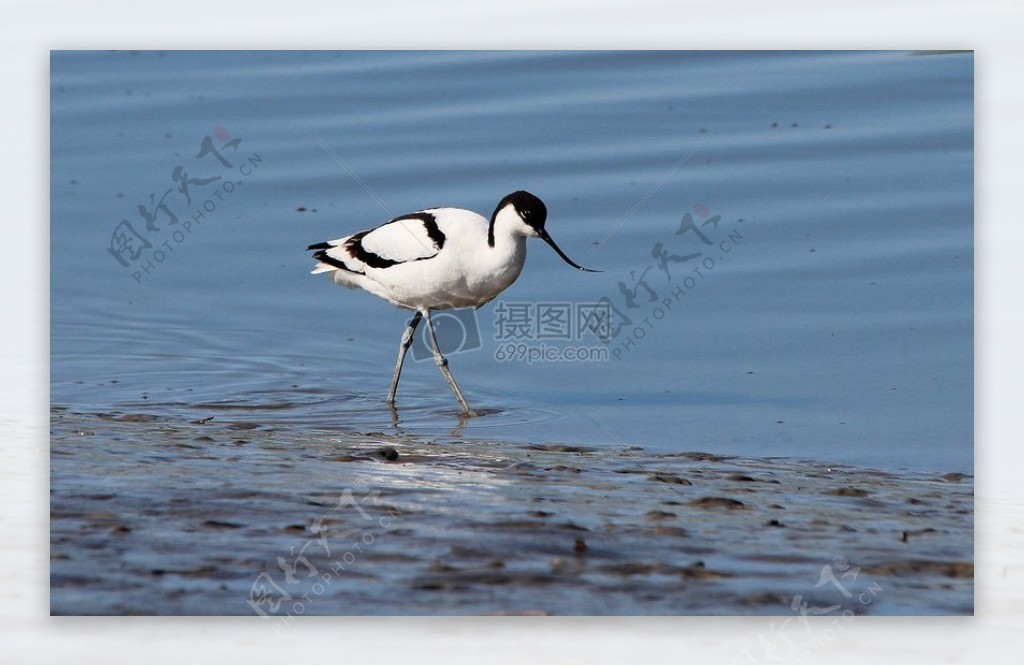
(403, 347)
(442, 365)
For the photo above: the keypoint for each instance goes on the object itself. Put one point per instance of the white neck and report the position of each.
(506, 226)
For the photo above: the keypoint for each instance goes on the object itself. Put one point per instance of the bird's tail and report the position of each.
(325, 261)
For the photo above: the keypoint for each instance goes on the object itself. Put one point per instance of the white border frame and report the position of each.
(31, 29)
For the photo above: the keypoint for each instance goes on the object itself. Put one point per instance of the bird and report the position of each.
(438, 259)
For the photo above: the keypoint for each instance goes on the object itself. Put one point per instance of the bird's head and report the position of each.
(523, 214)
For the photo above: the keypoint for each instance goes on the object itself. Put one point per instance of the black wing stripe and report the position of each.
(437, 237)
(325, 258)
(354, 245)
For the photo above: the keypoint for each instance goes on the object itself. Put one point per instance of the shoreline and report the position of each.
(151, 516)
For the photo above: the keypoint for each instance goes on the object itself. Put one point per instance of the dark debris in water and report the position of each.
(670, 478)
(925, 568)
(560, 448)
(150, 516)
(718, 503)
(849, 491)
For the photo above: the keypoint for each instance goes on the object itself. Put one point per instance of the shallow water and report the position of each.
(834, 322)
(845, 311)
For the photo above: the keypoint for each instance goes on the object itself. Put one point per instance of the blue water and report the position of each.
(835, 322)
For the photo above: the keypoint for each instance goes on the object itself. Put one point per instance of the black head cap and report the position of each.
(534, 214)
(530, 208)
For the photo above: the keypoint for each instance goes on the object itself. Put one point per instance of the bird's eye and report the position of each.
(527, 213)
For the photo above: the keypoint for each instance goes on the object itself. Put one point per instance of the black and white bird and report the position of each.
(438, 259)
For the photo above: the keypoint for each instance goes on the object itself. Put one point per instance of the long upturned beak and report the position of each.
(543, 235)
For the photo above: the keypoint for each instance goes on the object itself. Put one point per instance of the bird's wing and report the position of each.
(411, 237)
(407, 238)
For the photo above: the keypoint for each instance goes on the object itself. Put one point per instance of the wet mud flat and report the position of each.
(150, 515)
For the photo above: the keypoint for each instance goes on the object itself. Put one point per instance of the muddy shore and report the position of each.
(219, 517)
